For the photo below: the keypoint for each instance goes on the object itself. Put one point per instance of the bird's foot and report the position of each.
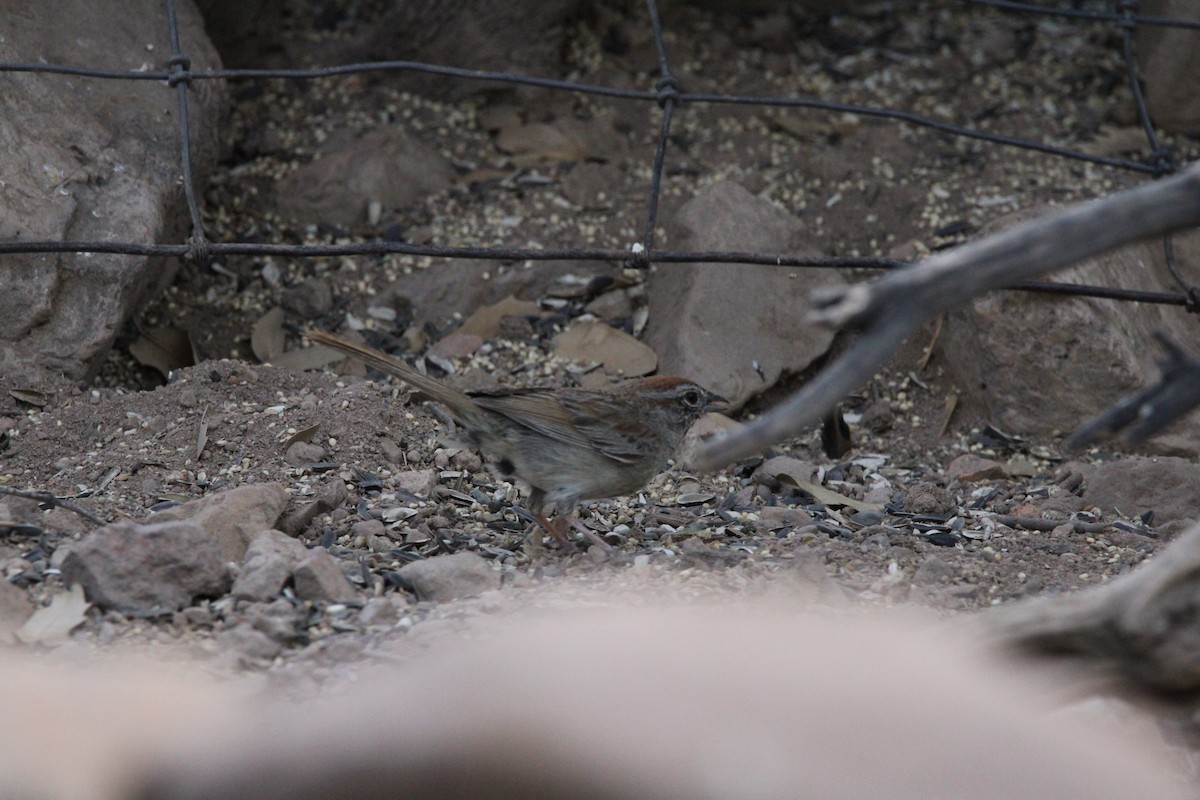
(587, 532)
(561, 524)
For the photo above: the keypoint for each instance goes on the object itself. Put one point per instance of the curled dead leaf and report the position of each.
(832, 498)
(202, 433)
(31, 396)
(164, 348)
(540, 143)
(307, 358)
(267, 337)
(485, 322)
(302, 435)
(617, 351)
(949, 405)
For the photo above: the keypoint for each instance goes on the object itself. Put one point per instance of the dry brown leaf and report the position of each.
(1112, 142)
(928, 351)
(620, 353)
(832, 498)
(267, 336)
(788, 468)
(949, 404)
(165, 348)
(51, 625)
(807, 126)
(485, 322)
(302, 435)
(31, 396)
(802, 126)
(595, 379)
(307, 358)
(202, 433)
(485, 175)
(539, 143)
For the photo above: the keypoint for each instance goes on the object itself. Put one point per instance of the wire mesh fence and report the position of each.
(671, 99)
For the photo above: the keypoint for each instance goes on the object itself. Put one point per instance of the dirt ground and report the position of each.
(861, 187)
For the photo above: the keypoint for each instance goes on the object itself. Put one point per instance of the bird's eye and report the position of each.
(692, 398)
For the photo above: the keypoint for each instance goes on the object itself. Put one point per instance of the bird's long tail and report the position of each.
(456, 401)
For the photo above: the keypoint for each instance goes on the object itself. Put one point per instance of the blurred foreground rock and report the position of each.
(537, 708)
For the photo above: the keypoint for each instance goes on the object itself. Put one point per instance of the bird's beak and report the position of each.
(716, 400)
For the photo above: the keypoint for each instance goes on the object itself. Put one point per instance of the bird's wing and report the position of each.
(592, 421)
(605, 423)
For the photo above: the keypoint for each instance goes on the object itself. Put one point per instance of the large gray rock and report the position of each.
(329, 495)
(1038, 364)
(1166, 55)
(445, 578)
(147, 569)
(318, 577)
(248, 33)
(268, 567)
(715, 322)
(435, 294)
(1166, 486)
(89, 159)
(523, 37)
(233, 518)
(389, 166)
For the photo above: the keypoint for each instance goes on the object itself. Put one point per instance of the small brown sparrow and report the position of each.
(567, 444)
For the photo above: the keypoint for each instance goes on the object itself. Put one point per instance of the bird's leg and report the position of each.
(555, 529)
(562, 521)
(537, 499)
(534, 541)
(533, 538)
(587, 532)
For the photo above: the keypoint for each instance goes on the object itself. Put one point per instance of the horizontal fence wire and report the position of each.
(670, 98)
(678, 97)
(1084, 14)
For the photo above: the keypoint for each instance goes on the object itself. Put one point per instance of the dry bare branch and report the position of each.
(895, 306)
(51, 499)
(1147, 412)
(1143, 626)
